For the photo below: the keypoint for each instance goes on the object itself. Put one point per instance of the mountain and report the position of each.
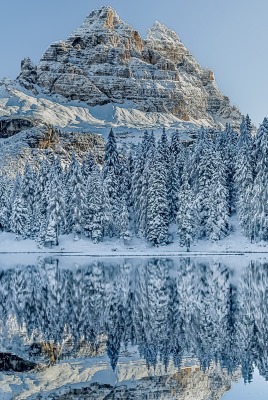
(106, 75)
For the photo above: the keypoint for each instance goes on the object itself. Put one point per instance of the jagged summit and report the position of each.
(161, 32)
(105, 18)
(106, 62)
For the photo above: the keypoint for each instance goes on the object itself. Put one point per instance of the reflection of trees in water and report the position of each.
(168, 308)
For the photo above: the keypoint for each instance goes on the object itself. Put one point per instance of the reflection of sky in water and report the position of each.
(186, 325)
(258, 389)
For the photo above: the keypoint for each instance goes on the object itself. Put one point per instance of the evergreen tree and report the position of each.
(144, 194)
(69, 178)
(111, 159)
(229, 155)
(260, 186)
(138, 185)
(56, 207)
(244, 176)
(52, 236)
(178, 157)
(157, 208)
(8, 189)
(88, 165)
(76, 198)
(218, 220)
(27, 194)
(20, 216)
(41, 197)
(124, 224)
(202, 174)
(112, 173)
(95, 207)
(175, 144)
(164, 150)
(186, 215)
(129, 183)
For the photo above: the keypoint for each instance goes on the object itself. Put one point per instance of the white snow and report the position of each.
(234, 244)
(16, 101)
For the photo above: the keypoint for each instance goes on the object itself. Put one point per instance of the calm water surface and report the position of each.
(189, 328)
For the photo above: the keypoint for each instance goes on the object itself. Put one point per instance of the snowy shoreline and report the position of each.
(232, 245)
(131, 255)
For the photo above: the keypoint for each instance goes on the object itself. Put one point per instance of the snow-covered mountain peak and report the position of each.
(106, 62)
(104, 18)
(161, 32)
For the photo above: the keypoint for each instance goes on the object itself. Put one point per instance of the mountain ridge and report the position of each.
(106, 61)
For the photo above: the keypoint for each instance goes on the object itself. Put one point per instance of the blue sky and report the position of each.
(228, 36)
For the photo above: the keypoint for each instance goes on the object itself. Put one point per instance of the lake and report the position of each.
(138, 328)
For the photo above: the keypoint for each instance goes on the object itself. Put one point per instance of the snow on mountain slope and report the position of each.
(16, 101)
(140, 83)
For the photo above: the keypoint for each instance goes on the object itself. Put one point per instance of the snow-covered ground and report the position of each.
(235, 243)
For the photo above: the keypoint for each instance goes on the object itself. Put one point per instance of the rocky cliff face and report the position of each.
(41, 142)
(106, 61)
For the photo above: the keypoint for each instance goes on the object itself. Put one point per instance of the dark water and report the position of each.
(135, 329)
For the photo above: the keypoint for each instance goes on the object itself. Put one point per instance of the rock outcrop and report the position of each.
(11, 362)
(106, 61)
(11, 126)
(42, 142)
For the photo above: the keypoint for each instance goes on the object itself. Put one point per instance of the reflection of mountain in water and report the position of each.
(169, 309)
(188, 384)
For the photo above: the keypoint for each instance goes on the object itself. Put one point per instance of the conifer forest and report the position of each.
(160, 190)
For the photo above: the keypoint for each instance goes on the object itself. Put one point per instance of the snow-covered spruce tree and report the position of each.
(157, 202)
(228, 152)
(186, 215)
(77, 201)
(218, 218)
(27, 195)
(108, 217)
(245, 138)
(88, 165)
(244, 176)
(2, 202)
(55, 207)
(112, 174)
(164, 149)
(143, 201)
(94, 217)
(176, 165)
(87, 217)
(69, 173)
(248, 126)
(202, 170)
(202, 143)
(137, 187)
(129, 177)
(124, 223)
(175, 144)
(19, 222)
(136, 184)
(210, 184)
(170, 154)
(51, 236)
(9, 189)
(260, 186)
(124, 176)
(61, 192)
(41, 197)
